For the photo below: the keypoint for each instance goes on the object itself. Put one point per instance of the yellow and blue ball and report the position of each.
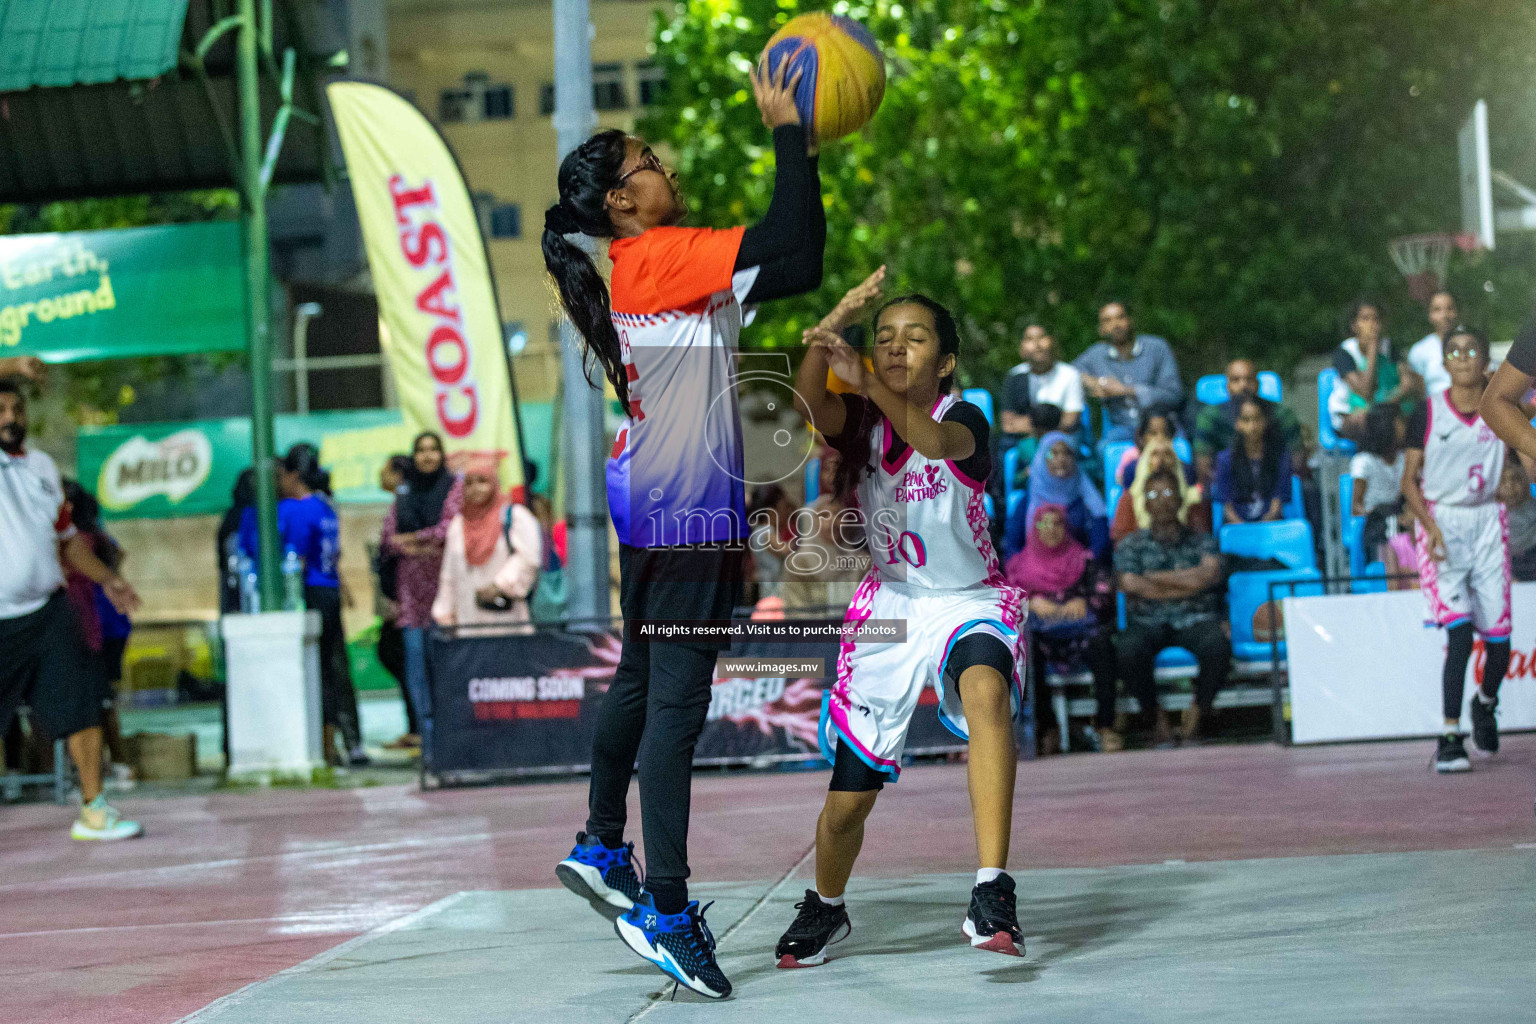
(842, 72)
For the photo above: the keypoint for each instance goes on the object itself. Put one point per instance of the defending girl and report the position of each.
(666, 336)
(917, 460)
(1451, 474)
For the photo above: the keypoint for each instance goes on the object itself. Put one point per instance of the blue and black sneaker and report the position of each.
(679, 944)
(604, 876)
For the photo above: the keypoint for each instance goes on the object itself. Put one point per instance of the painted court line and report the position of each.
(318, 961)
(762, 901)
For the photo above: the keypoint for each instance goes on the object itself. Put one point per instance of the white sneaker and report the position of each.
(99, 820)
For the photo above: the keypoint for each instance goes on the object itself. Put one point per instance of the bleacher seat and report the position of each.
(812, 480)
(1295, 508)
(1326, 437)
(1288, 541)
(987, 503)
(1016, 498)
(1113, 453)
(1246, 594)
(982, 399)
(1353, 527)
(1010, 475)
(1212, 388)
(1182, 449)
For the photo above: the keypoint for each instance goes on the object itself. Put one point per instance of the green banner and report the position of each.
(160, 470)
(173, 289)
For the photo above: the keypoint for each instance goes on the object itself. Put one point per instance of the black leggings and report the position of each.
(338, 700)
(1458, 651)
(655, 708)
(851, 775)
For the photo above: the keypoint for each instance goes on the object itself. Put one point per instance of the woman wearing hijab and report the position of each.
(1055, 478)
(1069, 602)
(241, 498)
(491, 557)
(1131, 512)
(415, 529)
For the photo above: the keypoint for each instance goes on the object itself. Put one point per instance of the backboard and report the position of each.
(1476, 176)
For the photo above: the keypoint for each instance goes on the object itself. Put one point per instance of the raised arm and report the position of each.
(787, 245)
(819, 407)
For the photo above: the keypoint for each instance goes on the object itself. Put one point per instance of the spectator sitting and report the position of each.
(1377, 470)
(1042, 379)
(491, 556)
(1253, 477)
(769, 513)
(1070, 602)
(1131, 512)
(1369, 373)
(1157, 424)
(1056, 479)
(1128, 372)
(1515, 493)
(1215, 424)
(1045, 419)
(1013, 419)
(1427, 356)
(1172, 579)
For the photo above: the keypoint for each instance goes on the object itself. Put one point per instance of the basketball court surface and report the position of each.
(1234, 883)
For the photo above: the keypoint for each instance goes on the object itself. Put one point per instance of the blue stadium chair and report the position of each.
(1113, 453)
(1246, 594)
(1168, 657)
(1288, 541)
(812, 480)
(986, 503)
(1353, 526)
(1326, 437)
(1212, 388)
(1182, 449)
(1010, 473)
(1295, 508)
(1016, 498)
(982, 399)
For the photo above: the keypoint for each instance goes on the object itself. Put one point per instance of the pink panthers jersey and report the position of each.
(925, 520)
(1463, 458)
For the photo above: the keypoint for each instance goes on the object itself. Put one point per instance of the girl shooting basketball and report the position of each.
(1451, 474)
(917, 460)
(666, 338)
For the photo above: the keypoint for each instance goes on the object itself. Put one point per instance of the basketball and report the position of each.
(842, 72)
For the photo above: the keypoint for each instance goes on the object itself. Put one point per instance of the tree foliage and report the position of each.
(1233, 167)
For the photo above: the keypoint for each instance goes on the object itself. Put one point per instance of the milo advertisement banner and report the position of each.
(159, 470)
(177, 288)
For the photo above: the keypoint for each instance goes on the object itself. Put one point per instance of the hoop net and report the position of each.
(1422, 259)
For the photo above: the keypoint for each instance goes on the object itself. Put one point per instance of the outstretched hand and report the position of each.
(852, 304)
(775, 94)
(845, 362)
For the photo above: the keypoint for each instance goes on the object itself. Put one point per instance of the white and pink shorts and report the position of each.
(1472, 582)
(879, 685)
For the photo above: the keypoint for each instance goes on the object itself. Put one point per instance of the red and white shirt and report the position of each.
(33, 520)
(675, 474)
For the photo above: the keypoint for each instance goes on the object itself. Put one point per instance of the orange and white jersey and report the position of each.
(675, 473)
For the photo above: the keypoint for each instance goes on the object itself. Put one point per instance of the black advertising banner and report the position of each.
(528, 704)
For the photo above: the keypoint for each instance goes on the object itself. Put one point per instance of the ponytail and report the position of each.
(587, 174)
(304, 460)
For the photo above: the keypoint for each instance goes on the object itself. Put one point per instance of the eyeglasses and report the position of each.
(1463, 353)
(648, 162)
(1164, 493)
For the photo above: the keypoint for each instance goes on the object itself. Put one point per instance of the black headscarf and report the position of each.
(241, 498)
(421, 506)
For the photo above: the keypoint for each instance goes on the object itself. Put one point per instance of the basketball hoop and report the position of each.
(1423, 259)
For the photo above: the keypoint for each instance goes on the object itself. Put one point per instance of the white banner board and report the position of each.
(1365, 666)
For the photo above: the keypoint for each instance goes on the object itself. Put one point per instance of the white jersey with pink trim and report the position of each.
(925, 520)
(1463, 458)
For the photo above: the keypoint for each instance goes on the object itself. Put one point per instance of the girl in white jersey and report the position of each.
(916, 461)
(1451, 474)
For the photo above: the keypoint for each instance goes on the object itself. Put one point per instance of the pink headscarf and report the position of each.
(1043, 570)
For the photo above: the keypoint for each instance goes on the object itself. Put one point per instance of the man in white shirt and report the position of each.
(1427, 356)
(1049, 382)
(44, 662)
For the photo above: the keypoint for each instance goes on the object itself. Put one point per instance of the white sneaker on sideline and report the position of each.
(100, 821)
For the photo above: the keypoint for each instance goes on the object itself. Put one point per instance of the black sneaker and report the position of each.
(817, 926)
(1451, 755)
(1485, 725)
(603, 876)
(993, 921)
(679, 944)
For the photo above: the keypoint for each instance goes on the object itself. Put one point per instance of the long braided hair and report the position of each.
(856, 451)
(587, 174)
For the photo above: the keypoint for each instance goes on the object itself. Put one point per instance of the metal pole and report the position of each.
(582, 451)
(306, 312)
(258, 313)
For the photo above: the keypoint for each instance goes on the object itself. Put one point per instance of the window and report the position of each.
(499, 105)
(653, 82)
(454, 105)
(507, 221)
(546, 99)
(608, 87)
